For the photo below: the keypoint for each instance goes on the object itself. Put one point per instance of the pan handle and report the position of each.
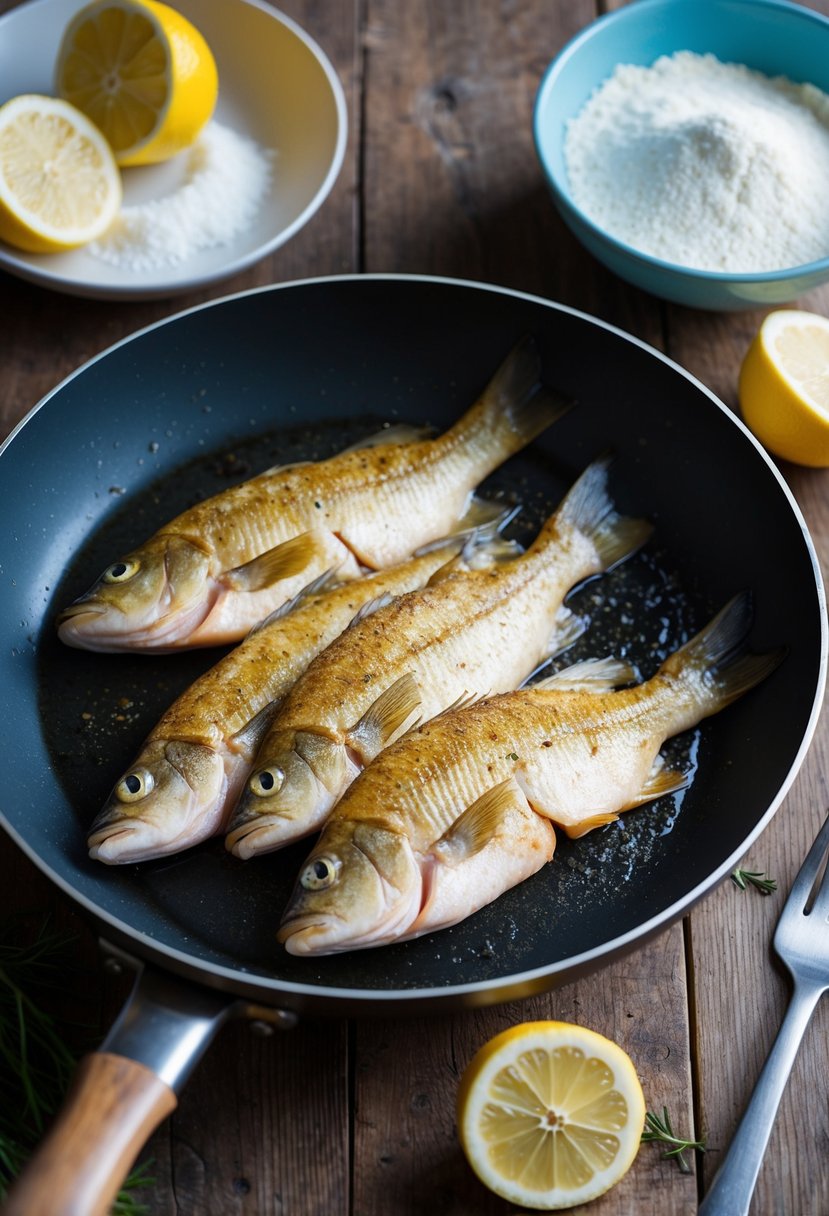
(119, 1095)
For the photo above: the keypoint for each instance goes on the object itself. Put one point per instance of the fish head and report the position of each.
(296, 779)
(151, 598)
(168, 800)
(360, 886)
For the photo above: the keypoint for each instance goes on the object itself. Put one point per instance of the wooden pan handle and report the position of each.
(112, 1108)
(118, 1097)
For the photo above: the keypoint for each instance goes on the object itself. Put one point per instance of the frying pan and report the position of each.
(181, 409)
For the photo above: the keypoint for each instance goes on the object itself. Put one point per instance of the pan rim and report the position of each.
(504, 987)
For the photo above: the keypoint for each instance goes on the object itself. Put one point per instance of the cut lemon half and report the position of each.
(550, 1114)
(784, 386)
(59, 183)
(142, 73)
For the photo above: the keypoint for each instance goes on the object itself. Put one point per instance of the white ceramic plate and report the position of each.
(276, 86)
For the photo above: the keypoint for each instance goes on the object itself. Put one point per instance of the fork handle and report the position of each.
(733, 1186)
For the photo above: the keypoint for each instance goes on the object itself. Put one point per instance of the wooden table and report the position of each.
(357, 1116)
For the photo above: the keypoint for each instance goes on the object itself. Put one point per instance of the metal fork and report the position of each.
(802, 941)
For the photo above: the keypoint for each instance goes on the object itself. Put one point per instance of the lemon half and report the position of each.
(550, 1114)
(59, 184)
(784, 386)
(142, 73)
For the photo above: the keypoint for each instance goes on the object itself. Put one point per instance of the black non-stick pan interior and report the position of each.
(186, 408)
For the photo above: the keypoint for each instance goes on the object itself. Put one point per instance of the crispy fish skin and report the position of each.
(462, 809)
(473, 633)
(180, 787)
(216, 570)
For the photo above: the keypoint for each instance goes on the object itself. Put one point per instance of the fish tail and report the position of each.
(589, 508)
(513, 409)
(717, 663)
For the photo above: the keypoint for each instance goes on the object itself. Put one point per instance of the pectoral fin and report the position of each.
(480, 822)
(495, 844)
(290, 558)
(390, 714)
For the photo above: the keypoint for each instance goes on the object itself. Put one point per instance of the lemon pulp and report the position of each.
(550, 1114)
(784, 386)
(59, 184)
(142, 73)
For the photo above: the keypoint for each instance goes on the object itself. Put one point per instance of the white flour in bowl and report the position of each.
(225, 179)
(705, 164)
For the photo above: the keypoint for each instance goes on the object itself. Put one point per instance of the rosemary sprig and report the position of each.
(660, 1130)
(35, 1062)
(756, 878)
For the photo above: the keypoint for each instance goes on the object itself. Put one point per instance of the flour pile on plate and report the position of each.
(225, 180)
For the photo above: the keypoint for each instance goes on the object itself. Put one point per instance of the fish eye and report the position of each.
(320, 873)
(267, 781)
(121, 572)
(134, 786)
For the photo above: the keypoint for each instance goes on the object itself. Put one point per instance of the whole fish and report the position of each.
(463, 808)
(216, 570)
(474, 632)
(189, 771)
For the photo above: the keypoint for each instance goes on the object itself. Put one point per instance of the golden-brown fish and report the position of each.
(178, 790)
(463, 808)
(219, 568)
(473, 633)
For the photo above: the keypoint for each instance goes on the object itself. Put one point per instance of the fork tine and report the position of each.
(806, 875)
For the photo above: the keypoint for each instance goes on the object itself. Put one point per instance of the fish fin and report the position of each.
(316, 584)
(479, 823)
(660, 780)
(399, 432)
(402, 432)
(588, 507)
(482, 518)
(285, 560)
(568, 627)
(716, 660)
(517, 403)
(591, 675)
(476, 541)
(478, 555)
(388, 716)
(370, 607)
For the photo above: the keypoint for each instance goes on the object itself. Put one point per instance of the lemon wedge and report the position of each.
(59, 183)
(784, 386)
(142, 73)
(550, 1114)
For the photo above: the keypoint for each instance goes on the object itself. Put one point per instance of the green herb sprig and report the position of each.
(660, 1131)
(755, 878)
(35, 1063)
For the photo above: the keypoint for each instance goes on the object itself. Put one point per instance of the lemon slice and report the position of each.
(784, 386)
(142, 73)
(59, 184)
(550, 1114)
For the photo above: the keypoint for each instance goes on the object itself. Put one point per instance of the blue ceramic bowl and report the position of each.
(770, 36)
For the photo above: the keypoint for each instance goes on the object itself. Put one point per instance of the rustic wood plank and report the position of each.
(405, 1142)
